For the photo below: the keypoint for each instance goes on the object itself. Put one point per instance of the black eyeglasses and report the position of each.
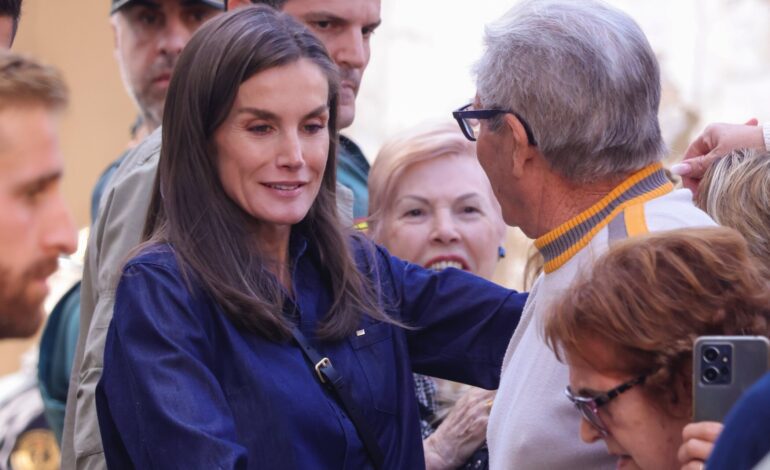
(469, 121)
(589, 406)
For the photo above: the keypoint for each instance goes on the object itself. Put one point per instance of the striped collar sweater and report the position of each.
(532, 425)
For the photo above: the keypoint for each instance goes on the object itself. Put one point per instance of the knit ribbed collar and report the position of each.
(560, 244)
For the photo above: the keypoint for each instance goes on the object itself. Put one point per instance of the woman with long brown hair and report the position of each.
(251, 330)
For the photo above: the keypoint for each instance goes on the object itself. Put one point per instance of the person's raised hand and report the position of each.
(697, 443)
(717, 140)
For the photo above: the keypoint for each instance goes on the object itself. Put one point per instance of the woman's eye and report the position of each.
(413, 213)
(259, 129)
(470, 210)
(314, 128)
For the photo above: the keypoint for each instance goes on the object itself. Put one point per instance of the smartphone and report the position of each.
(723, 368)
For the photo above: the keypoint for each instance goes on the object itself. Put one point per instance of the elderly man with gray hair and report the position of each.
(566, 122)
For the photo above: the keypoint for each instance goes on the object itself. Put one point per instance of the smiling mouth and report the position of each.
(284, 187)
(441, 263)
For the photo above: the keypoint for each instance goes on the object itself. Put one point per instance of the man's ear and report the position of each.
(519, 144)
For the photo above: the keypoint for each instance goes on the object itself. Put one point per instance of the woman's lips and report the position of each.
(285, 189)
(439, 263)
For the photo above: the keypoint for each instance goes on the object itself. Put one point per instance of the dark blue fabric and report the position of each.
(353, 173)
(745, 439)
(182, 387)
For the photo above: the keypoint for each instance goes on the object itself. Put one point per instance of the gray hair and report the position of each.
(586, 80)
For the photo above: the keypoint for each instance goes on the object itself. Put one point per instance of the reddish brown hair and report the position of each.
(647, 300)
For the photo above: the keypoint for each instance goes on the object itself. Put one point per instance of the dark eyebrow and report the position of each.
(154, 5)
(331, 17)
(373, 26)
(39, 182)
(270, 116)
(196, 3)
(323, 16)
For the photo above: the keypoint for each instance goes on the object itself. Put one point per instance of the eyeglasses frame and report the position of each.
(589, 406)
(463, 113)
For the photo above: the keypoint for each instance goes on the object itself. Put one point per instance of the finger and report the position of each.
(695, 449)
(681, 169)
(698, 147)
(694, 465)
(699, 165)
(704, 430)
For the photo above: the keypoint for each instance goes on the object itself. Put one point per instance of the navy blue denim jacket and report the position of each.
(182, 387)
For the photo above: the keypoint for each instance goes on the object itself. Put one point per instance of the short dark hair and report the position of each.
(12, 8)
(277, 4)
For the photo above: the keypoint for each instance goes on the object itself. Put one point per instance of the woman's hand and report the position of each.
(697, 443)
(716, 140)
(461, 433)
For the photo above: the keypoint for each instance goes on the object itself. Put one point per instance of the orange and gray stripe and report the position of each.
(559, 245)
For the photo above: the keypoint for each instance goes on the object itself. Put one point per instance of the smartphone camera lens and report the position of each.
(710, 374)
(711, 354)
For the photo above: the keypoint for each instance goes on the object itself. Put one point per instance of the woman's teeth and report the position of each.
(283, 187)
(441, 265)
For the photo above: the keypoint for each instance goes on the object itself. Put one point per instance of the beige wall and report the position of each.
(75, 36)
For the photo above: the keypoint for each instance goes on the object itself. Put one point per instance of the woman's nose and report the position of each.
(588, 432)
(444, 229)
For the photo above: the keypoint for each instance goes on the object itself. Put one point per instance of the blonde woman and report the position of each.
(735, 191)
(431, 204)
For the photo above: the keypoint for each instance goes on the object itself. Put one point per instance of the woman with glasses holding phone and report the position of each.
(627, 328)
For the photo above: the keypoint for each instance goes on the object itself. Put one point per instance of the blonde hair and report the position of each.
(426, 142)
(24, 80)
(735, 192)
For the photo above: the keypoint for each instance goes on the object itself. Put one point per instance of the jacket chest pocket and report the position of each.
(373, 346)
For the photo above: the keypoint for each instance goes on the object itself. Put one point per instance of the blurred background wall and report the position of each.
(714, 54)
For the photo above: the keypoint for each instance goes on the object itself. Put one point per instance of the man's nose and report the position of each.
(59, 232)
(174, 37)
(352, 50)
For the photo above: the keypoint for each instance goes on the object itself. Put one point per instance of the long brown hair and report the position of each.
(650, 297)
(190, 209)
